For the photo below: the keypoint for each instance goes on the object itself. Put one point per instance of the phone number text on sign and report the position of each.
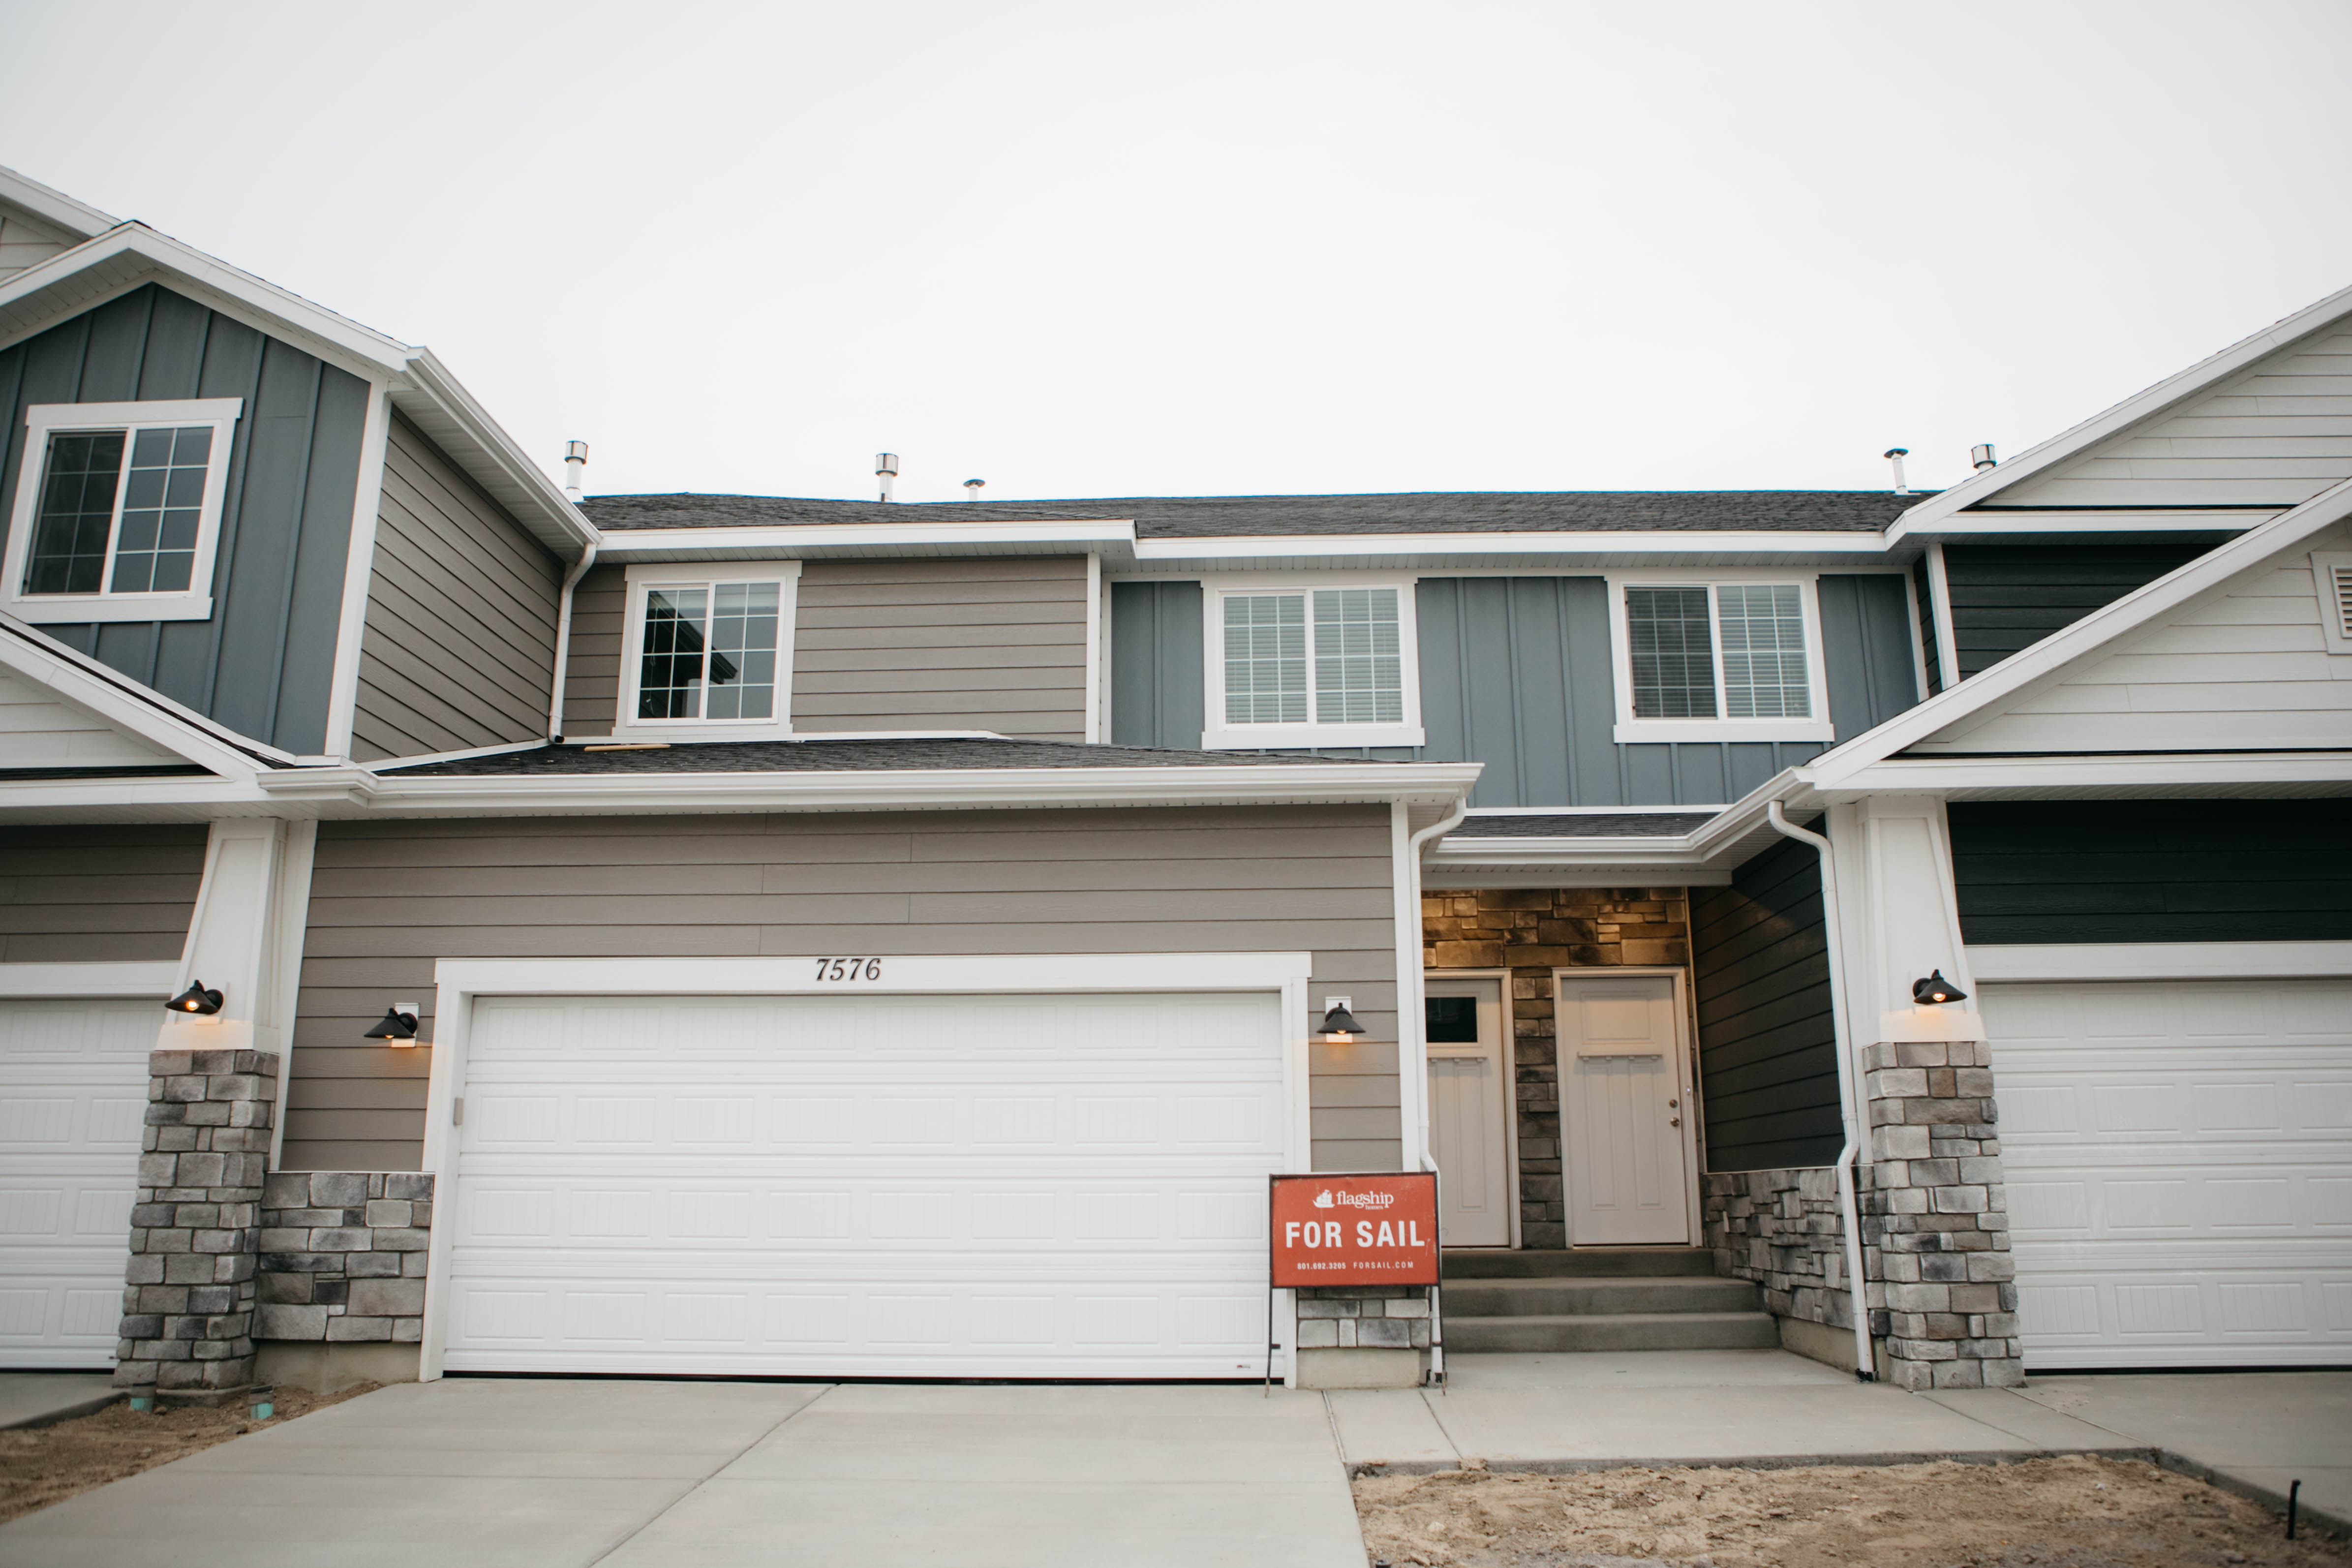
(1350, 1230)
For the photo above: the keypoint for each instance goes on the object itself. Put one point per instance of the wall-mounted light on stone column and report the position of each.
(195, 999)
(399, 1026)
(1935, 988)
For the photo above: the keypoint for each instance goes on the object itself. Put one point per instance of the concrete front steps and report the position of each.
(1617, 1299)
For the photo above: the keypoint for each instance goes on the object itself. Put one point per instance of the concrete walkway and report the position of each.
(536, 1473)
(39, 1398)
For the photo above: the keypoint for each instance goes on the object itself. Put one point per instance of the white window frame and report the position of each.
(1633, 732)
(1218, 735)
(786, 575)
(2324, 566)
(43, 420)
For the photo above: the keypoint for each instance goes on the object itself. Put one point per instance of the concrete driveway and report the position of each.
(539, 1473)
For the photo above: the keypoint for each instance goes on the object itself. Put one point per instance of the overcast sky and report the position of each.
(1102, 249)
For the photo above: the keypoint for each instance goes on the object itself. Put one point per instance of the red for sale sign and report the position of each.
(1355, 1230)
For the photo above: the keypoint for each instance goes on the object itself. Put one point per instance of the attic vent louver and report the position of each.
(2342, 600)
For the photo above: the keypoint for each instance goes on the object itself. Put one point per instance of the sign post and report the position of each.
(1350, 1230)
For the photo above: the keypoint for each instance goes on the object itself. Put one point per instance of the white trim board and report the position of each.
(1998, 964)
(456, 982)
(157, 978)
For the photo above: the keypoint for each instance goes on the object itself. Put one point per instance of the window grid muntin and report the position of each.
(741, 679)
(73, 526)
(672, 649)
(1760, 629)
(163, 509)
(1358, 657)
(1670, 653)
(1265, 659)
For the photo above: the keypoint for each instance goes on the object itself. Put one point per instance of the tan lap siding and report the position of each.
(458, 646)
(389, 898)
(99, 894)
(592, 673)
(943, 645)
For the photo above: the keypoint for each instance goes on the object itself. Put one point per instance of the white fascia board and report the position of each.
(158, 978)
(1594, 544)
(2011, 676)
(54, 208)
(649, 544)
(1929, 516)
(2090, 775)
(292, 314)
(1445, 875)
(149, 715)
(350, 790)
(186, 798)
(2041, 521)
(492, 458)
(2013, 964)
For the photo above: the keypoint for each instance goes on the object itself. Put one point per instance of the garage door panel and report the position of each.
(876, 1185)
(73, 1100)
(2179, 1189)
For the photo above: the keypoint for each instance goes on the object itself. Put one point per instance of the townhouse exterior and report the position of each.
(708, 934)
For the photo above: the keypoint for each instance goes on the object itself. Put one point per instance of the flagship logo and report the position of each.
(1323, 1199)
(1326, 1197)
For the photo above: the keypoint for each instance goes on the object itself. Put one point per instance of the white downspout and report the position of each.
(1865, 1363)
(563, 640)
(1413, 1034)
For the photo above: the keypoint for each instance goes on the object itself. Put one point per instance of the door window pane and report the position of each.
(1453, 1020)
(1358, 668)
(1265, 659)
(670, 676)
(1673, 657)
(743, 650)
(68, 552)
(1763, 629)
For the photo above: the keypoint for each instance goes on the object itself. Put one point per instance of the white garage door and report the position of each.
(2180, 1167)
(954, 1186)
(73, 1097)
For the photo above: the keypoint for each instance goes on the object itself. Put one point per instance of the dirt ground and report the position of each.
(42, 1464)
(2058, 1513)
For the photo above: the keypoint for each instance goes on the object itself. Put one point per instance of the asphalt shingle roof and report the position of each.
(818, 755)
(1585, 824)
(1210, 517)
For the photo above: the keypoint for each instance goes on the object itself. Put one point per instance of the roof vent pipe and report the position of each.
(972, 489)
(575, 466)
(1896, 455)
(1982, 457)
(885, 469)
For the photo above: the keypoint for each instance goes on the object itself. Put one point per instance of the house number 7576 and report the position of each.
(849, 969)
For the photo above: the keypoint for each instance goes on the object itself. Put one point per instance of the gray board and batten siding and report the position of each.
(99, 894)
(1516, 673)
(457, 650)
(390, 898)
(2006, 597)
(2044, 871)
(263, 664)
(951, 644)
(1766, 1046)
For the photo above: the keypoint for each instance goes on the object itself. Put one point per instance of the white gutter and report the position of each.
(1865, 1363)
(1412, 1032)
(563, 640)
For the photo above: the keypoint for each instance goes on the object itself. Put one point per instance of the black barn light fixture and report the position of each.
(399, 1026)
(1338, 1024)
(1935, 988)
(195, 999)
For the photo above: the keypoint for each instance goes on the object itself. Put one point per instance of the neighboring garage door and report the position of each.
(951, 1186)
(2180, 1165)
(73, 1097)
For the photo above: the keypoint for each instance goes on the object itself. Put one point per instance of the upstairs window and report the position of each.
(710, 646)
(118, 511)
(1718, 661)
(1311, 666)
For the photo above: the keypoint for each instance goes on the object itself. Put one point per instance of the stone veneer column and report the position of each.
(1935, 1218)
(196, 1225)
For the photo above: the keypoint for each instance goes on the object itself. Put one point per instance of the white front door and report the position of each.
(2179, 1156)
(870, 1187)
(73, 1099)
(1469, 1097)
(1624, 1110)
